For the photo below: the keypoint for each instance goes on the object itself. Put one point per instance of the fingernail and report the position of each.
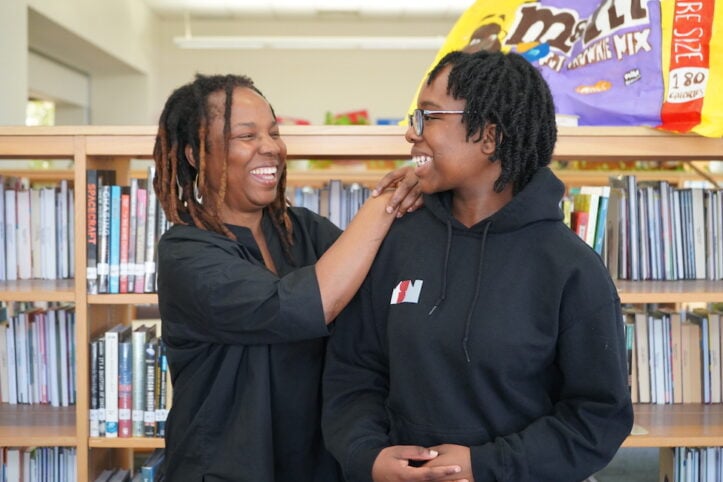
(375, 193)
(389, 210)
(433, 453)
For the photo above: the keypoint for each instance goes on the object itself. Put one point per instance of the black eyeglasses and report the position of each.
(416, 118)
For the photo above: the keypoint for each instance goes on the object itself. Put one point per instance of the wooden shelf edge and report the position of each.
(131, 442)
(124, 299)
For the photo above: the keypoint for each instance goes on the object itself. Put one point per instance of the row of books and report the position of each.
(130, 389)
(691, 464)
(674, 355)
(148, 471)
(659, 232)
(36, 230)
(123, 226)
(336, 201)
(37, 354)
(38, 464)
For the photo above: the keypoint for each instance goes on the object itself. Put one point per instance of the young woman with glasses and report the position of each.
(486, 331)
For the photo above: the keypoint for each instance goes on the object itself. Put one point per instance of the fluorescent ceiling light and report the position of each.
(310, 43)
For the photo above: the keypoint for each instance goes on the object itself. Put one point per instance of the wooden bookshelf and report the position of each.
(682, 425)
(37, 426)
(116, 146)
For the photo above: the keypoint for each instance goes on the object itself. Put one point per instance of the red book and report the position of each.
(125, 229)
(579, 222)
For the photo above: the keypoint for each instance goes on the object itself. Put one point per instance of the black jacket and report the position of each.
(245, 349)
(506, 337)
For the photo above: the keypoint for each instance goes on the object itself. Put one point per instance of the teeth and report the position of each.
(264, 171)
(421, 160)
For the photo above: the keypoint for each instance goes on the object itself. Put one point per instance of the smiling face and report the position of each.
(256, 155)
(446, 159)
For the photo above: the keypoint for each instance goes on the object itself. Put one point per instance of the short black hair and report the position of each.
(506, 90)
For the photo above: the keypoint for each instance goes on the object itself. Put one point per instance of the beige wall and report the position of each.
(133, 65)
(306, 83)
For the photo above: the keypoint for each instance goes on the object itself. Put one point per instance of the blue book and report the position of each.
(114, 239)
(125, 392)
(149, 469)
(602, 214)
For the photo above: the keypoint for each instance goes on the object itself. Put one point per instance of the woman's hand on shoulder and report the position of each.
(406, 197)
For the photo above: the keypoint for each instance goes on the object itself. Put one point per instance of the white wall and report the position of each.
(304, 83)
(14, 61)
(112, 42)
(132, 64)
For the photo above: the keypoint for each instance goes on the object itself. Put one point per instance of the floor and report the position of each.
(631, 465)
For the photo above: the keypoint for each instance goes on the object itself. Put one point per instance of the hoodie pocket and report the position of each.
(407, 432)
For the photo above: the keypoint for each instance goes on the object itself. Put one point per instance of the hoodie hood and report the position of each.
(538, 201)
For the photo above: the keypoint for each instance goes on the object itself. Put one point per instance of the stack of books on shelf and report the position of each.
(674, 355)
(37, 354)
(336, 201)
(691, 464)
(130, 389)
(660, 232)
(36, 230)
(123, 226)
(651, 230)
(38, 464)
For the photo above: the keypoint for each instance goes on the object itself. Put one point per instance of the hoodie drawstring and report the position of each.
(443, 294)
(478, 284)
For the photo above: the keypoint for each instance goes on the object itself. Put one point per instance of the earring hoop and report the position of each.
(180, 189)
(196, 193)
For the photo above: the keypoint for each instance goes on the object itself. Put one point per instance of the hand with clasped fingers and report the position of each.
(450, 454)
(399, 463)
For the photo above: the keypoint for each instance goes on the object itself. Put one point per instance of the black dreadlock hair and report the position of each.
(506, 90)
(184, 122)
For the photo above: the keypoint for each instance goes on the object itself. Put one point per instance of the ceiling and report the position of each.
(310, 9)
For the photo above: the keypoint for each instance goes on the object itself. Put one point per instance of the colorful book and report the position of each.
(141, 335)
(125, 231)
(113, 337)
(114, 239)
(91, 231)
(151, 360)
(125, 388)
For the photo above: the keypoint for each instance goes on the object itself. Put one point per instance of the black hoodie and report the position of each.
(246, 350)
(506, 337)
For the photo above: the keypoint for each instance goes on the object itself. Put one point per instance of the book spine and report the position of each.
(91, 226)
(139, 279)
(125, 228)
(93, 362)
(162, 381)
(149, 418)
(62, 234)
(114, 240)
(64, 355)
(3, 254)
(12, 366)
(101, 386)
(139, 339)
(133, 232)
(11, 261)
(103, 235)
(111, 383)
(125, 390)
(24, 256)
(150, 257)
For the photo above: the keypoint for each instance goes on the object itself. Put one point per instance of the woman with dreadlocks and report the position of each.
(246, 288)
(486, 332)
